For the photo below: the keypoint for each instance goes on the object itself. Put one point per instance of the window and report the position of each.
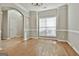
(47, 26)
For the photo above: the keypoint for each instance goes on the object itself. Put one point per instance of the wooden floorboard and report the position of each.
(36, 47)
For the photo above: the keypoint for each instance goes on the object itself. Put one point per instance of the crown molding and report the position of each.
(20, 6)
(25, 11)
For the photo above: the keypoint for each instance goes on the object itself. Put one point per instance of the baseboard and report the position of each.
(48, 38)
(70, 45)
(73, 47)
(33, 38)
(26, 38)
(19, 36)
(61, 40)
(5, 38)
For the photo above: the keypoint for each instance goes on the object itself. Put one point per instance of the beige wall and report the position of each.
(4, 28)
(26, 27)
(62, 22)
(73, 25)
(33, 24)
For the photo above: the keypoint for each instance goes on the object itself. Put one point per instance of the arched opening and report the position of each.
(12, 24)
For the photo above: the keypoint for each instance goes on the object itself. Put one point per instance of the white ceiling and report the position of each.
(26, 7)
(45, 6)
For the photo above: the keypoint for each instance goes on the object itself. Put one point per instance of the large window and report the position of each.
(47, 26)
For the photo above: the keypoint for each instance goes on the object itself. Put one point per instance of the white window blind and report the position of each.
(47, 26)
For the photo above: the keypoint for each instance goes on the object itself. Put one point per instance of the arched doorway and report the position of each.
(12, 23)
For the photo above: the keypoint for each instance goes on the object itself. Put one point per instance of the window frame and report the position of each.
(47, 26)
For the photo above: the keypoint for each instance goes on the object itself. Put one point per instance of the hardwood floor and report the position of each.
(36, 47)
